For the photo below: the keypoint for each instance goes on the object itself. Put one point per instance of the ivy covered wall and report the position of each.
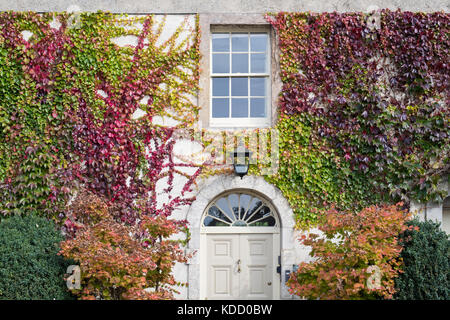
(364, 110)
(363, 115)
(80, 99)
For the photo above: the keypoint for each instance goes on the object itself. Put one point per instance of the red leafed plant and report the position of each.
(350, 244)
(119, 261)
(122, 158)
(118, 227)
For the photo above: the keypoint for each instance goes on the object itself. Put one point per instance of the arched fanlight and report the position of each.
(239, 209)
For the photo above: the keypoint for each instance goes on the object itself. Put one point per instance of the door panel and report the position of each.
(222, 277)
(256, 253)
(240, 266)
(222, 254)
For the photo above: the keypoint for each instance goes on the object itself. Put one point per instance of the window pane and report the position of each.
(220, 87)
(258, 87)
(244, 202)
(239, 108)
(258, 61)
(234, 203)
(258, 42)
(255, 205)
(221, 63)
(211, 222)
(220, 108)
(266, 222)
(257, 107)
(239, 86)
(240, 63)
(221, 42)
(222, 203)
(214, 212)
(264, 212)
(239, 42)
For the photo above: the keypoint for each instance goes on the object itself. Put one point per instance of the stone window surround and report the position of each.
(234, 21)
(210, 189)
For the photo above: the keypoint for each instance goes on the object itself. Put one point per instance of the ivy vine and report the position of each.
(364, 114)
(68, 98)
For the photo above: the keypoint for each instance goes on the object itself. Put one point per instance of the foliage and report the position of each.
(30, 267)
(311, 176)
(79, 116)
(426, 263)
(350, 243)
(33, 141)
(123, 158)
(68, 99)
(119, 261)
(373, 101)
(365, 110)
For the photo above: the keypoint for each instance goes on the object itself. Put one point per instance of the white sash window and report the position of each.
(240, 79)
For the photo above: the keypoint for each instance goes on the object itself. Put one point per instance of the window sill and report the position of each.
(236, 124)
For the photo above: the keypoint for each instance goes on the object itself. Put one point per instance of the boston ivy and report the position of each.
(374, 100)
(68, 94)
(363, 112)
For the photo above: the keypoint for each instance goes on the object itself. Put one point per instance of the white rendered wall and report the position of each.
(432, 210)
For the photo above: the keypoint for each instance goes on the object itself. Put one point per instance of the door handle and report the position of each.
(269, 283)
(239, 266)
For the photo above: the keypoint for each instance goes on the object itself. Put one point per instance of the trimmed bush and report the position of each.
(30, 268)
(426, 257)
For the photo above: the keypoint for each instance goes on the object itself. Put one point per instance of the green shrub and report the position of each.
(29, 265)
(426, 257)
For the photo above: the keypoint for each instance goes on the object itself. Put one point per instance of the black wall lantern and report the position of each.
(241, 161)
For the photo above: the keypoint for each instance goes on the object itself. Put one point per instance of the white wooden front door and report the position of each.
(241, 266)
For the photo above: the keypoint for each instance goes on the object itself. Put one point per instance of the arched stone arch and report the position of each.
(213, 187)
